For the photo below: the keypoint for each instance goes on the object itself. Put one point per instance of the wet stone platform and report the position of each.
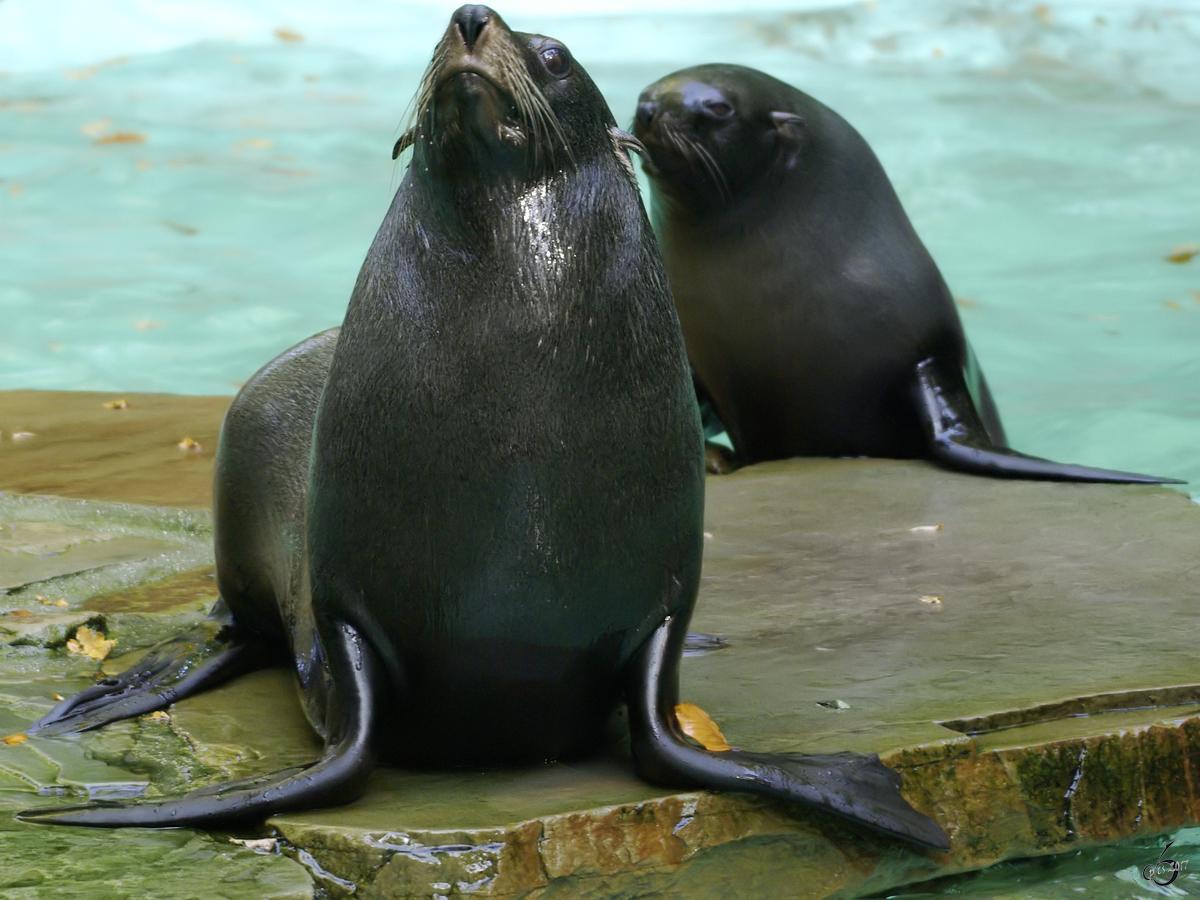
(1022, 653)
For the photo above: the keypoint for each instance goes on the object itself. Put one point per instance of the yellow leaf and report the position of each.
(188, 444)
(157, 716)
(179, 226)
(286, 34)
(1183, 253)
(931, 599)
(90, 643)
(13, 739)
(699, 726)
(121, 137)
(56, 696)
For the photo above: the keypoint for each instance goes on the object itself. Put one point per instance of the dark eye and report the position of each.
(556, 61)
(719, 108)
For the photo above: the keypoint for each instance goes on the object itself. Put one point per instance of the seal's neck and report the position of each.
(509, 217)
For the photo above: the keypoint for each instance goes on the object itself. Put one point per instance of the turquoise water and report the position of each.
(1101, 873)
(1046, 153)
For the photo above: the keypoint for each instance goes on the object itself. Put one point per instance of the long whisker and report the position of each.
(421, 107)
(699, 158)
(534, 109)
(713, 167)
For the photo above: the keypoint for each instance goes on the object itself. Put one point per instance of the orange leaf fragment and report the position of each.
(13, 739)
(56, 696)
(188, 444)
(121, 137)
(699, 726)
(286, 34)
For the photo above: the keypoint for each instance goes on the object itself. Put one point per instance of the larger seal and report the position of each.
(816, 322)
(473, 518)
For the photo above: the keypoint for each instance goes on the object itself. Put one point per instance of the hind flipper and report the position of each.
(857, 787)
(208, 653)
(958, 440)
(338, 777)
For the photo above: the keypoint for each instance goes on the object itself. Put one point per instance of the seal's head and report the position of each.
(712, 130)
(494, 100)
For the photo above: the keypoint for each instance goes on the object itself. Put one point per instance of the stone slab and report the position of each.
(20, 566)
(78, 447)
(56, 554)
(1005, 705)
(1056, 600)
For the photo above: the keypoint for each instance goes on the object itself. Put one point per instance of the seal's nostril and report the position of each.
(471, 21)
(646, 112)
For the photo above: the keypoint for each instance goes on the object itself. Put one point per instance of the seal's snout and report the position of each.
(644, 118)
(471, 21)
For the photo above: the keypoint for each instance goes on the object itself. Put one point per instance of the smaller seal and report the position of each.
(816, 322)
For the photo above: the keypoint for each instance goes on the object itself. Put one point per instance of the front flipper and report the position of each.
(858, 787)
(338, 777)
(958, 439)
(719, 456)
(205, 655)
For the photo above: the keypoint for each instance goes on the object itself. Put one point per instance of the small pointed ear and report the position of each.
(788, 124)
(623, 140)
(406, 141)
